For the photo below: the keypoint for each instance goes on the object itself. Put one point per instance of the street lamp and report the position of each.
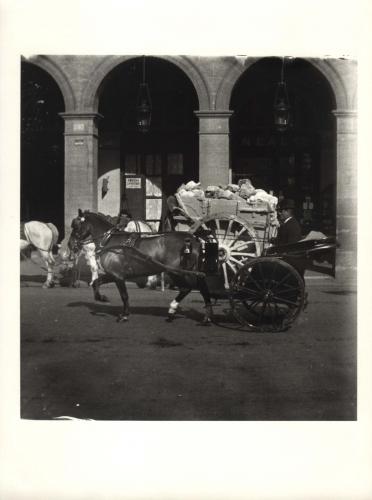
(143, 103)
(281, 104)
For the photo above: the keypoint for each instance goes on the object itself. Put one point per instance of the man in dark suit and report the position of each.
(289, 230)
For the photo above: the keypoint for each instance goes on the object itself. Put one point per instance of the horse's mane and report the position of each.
(100, 216)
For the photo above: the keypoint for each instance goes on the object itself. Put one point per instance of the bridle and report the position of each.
(81, 239)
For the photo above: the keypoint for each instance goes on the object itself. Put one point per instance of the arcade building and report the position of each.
(110, 132)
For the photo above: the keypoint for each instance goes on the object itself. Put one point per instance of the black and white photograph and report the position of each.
(187, 314)
(188, 238)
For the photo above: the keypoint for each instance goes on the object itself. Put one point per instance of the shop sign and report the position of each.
(133, 182)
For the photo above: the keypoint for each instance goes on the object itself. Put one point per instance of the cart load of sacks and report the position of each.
(244, 192)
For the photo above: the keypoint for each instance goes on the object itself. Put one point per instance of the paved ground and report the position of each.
(77, 361)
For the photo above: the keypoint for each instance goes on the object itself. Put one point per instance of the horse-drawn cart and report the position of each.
(263, 283)
(225, 255)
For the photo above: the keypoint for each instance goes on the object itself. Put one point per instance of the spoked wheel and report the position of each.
(237, 242)
(268, 295)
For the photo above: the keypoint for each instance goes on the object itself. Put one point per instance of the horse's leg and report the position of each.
(101, 280)
(122, 287)
(204, 291)
(49, 262)
(90, 256)
(173, 306)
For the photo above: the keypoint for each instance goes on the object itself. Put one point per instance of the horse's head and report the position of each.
(80, 231)
(87, 226)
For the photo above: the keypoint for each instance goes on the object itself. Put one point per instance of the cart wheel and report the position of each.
(237, 242)
(267, 295)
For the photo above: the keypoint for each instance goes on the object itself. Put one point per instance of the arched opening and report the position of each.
(299, 163)
(162, 158)
(42, 147)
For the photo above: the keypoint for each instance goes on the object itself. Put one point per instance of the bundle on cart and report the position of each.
(233, 212)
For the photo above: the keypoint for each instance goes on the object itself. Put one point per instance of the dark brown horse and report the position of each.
(125, 256)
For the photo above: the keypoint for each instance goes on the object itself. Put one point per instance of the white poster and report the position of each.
(133, 182)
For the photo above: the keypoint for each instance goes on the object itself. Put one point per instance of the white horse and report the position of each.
(42, 236)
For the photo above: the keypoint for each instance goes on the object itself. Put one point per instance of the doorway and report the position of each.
(42, 148)
(299, 162)
(168, 154)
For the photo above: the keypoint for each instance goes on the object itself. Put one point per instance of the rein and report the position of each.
(101, 236)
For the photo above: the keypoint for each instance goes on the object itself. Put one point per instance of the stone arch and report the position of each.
(62, 81)
(325, 67)
(334, 79)
(90, 96)
(232, 75)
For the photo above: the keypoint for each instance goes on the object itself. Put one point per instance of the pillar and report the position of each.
(81, 164)
(347, 202)
(214, 147)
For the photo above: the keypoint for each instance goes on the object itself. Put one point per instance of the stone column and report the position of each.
(81, 164)
(347, 202)
(214, 147)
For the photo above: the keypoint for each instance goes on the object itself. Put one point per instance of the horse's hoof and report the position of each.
(206, 322)
(121, 318)
(101, 298)
(48, 285)
(170, 318)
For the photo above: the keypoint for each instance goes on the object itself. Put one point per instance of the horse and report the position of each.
(88, 249)
(43, 237)
(129, 255)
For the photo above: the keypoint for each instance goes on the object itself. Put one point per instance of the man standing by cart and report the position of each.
(289, 230)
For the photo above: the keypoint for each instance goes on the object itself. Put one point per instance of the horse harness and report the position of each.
(129, 242)
(188, 260)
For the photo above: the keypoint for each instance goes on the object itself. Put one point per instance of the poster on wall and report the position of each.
(133, 183)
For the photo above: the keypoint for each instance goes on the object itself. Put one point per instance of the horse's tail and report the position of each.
(55, 234)
(53, 249)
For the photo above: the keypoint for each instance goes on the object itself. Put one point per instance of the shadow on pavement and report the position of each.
(32, 278)
(98, 309)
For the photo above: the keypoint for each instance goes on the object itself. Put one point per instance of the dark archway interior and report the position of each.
(169, 151)
(299, 163)
(42, 148)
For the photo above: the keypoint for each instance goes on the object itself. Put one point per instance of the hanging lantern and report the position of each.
(281, 104)
(143, 104)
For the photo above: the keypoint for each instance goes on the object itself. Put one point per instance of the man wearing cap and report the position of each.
(123, 219)
(289, 230)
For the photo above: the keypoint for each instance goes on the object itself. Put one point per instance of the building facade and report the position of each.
(211, 120)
